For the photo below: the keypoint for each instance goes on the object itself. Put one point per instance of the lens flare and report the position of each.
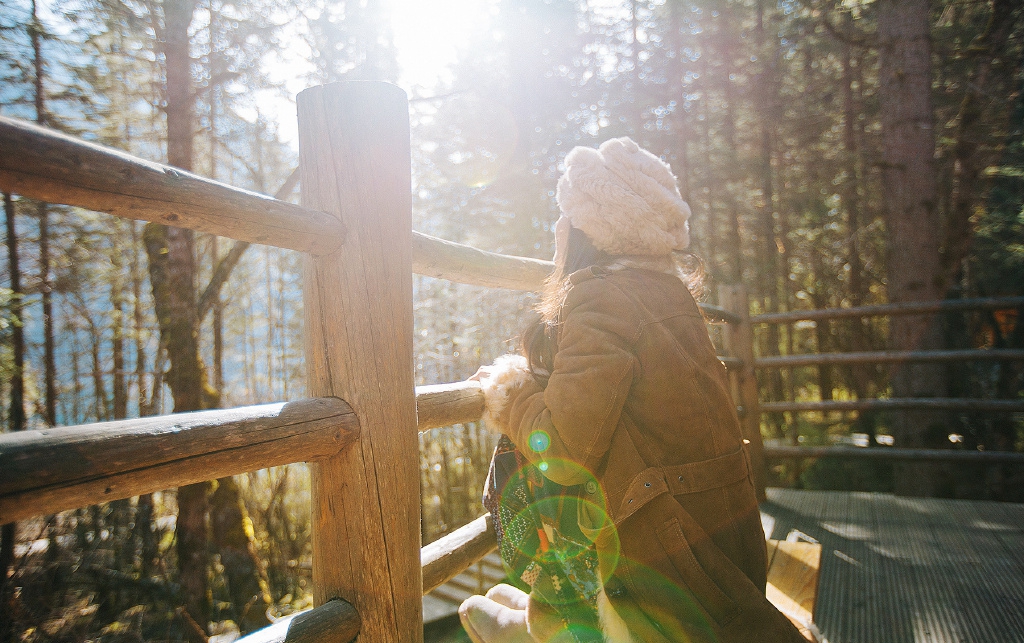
(539, 441)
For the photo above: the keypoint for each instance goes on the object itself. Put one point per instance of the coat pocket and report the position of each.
(715, 602)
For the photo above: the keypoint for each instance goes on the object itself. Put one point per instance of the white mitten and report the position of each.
(508, 374)
(489, 621)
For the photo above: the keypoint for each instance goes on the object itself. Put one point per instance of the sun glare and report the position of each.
(429, 34)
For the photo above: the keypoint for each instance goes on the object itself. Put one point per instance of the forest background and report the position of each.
(835, 153)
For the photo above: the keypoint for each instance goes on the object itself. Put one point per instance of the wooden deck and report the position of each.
(902, 570)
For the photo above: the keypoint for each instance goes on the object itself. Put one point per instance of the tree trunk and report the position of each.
(989, 81)
(101, 404)
(16, 413)
(218, 327)
(912, 222)
(15, 421)
(49, 344)
(172, 276)
(732, 272)
(138, 325)
(120, 386)
(49, 362)
(243, 571)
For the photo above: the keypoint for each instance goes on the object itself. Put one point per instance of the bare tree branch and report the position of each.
(231, 259)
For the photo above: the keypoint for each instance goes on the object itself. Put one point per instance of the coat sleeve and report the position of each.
(570, 423)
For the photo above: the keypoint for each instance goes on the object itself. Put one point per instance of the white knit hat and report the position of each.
(624, 199)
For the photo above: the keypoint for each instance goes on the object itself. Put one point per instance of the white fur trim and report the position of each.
(613, 627)
(624, 198)
(508, 373)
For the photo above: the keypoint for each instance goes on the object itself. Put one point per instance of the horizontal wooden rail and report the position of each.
(442, 259)
(933, 403)
(336, 621)
(50, 470)
(440, 405)
(464, 264)
(894, 454)
(449, 556)
(915, 308)
(731, 363)
(719, 314)
(50, 166)
(879, 357)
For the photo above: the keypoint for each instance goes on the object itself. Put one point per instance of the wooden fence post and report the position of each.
(354, 160)
(739, 340)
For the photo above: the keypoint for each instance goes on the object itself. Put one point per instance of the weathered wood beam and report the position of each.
(456, 262)
(440, 405)
(880, 357)
(355, 162)
(893, 453)
(51, 166)
(447, 557)
(50, 470)
(935, 403)
(904, 308)
(335, 621)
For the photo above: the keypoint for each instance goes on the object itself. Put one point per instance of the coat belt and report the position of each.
(681, 479)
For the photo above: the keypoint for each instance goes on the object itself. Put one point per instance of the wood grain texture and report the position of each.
(440, 405)
(793, 571)
(447, 557)
(355, 163)
(335, 621)
(50, 166)
(442, 259)
(51, 470)
(739, 340)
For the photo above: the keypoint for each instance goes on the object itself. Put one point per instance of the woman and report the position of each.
(620, 398)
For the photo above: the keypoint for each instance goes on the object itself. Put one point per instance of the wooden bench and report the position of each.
(793, 569)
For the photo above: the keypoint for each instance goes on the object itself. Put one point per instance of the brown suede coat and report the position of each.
(638, 398)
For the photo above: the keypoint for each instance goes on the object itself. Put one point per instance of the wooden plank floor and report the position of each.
(909, 570)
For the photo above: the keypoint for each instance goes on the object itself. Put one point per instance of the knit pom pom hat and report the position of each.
(624, 199)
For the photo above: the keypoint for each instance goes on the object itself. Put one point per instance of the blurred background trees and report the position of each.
(834, 154)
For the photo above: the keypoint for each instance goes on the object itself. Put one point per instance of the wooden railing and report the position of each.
(891, 404)
(359, 430)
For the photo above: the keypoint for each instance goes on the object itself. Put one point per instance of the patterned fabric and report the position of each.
(540, 542)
